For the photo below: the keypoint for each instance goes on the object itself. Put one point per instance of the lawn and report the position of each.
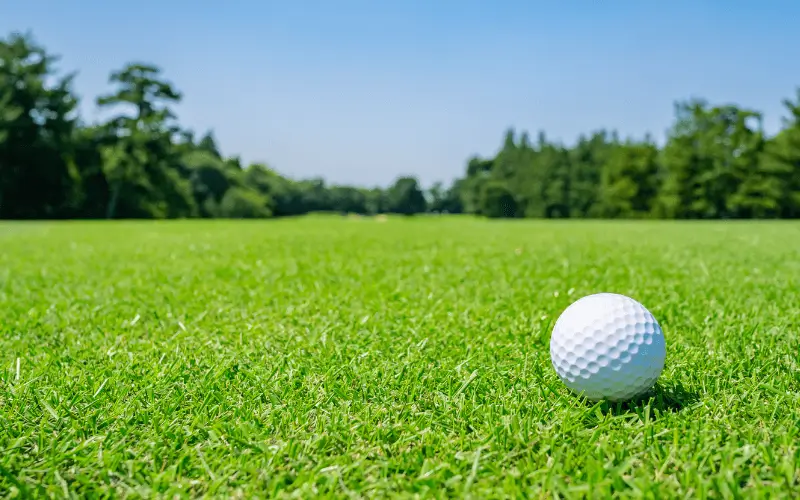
(349, 357)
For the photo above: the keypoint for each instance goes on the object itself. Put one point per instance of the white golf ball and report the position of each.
(607, 346)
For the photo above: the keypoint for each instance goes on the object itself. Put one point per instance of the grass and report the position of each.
(340, 357)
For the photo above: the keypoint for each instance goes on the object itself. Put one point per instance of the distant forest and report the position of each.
(716, 162)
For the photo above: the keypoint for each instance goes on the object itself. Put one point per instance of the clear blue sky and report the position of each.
(360, 91)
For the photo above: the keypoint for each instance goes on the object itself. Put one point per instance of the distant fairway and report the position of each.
(349, 357)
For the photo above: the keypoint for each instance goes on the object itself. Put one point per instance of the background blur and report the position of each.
(503, 109)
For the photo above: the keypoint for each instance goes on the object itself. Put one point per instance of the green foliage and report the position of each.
(469, 188)
(779, 175)
(497, 200)
(405, 197)
(630, 181)
(209, 177)
(243, 203)
(445, 200)
(716, 162)
(38, 174)
(209, 145)
(712, 163)
(348, 199)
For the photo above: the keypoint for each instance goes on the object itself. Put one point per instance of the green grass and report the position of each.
(352, 358)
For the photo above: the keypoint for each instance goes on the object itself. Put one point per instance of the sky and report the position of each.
(361, 92)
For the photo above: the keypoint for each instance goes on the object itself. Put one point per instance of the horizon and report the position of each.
(419, 88)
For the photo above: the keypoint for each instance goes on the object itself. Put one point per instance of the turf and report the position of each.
(341, 357)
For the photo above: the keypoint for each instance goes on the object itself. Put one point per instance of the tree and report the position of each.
(347, 199)
(434, 197)
(38, 119)
(140, 161)
(775, 188)
(376, 201)
(469, 189)
(554, 166)
(588, 159)
(629, 181)
(313, 195)
(717, 162)
(243, 203)
(209, 178)
(283, 192)
(209, 144)
(445, 200)
(497, 200)
(405, 197)
(709, 154)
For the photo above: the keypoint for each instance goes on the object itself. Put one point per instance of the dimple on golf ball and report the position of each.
(607, 346)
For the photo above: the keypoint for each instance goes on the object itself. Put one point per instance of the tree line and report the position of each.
(716, 162)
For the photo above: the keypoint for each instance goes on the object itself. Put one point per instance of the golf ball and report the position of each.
(607, 346)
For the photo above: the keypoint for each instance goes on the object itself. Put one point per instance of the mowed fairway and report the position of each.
(347, 357)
